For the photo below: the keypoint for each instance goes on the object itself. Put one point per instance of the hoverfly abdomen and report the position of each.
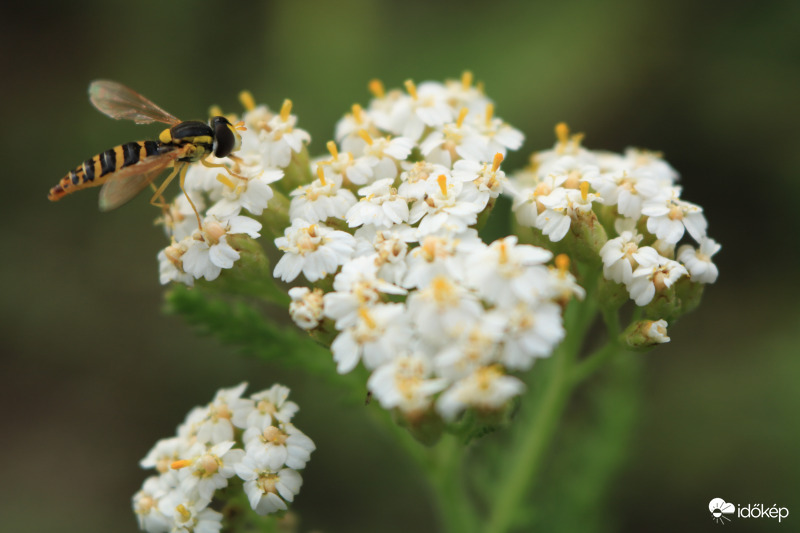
(98, 169)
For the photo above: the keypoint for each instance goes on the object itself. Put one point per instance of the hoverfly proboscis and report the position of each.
(127, 169)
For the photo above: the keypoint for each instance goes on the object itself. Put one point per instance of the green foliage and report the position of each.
(240, 324)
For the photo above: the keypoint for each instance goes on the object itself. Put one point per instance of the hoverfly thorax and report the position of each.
(226, 138)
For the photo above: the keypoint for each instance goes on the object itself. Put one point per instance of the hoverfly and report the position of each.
(128, 168)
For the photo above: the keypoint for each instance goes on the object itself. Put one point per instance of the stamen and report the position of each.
(364, 135)
(503, 253)
(215, 111)
(442, 179)
(577, 139)
(480, 86)
(286, 110)
(562, 132)
(321, 175)
(466, 79)
(562, 262)
(411, 88)
(177, 465)
(461, 116)
(363, 312)
(239, 126)
(184, 512)
(584, 190)
(489, 113)
(332, 149)
(498, 158)
(376, 88)
(247, 100)
(358, 113)
(225, 180)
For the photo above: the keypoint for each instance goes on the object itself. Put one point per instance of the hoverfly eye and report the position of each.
(224, 137)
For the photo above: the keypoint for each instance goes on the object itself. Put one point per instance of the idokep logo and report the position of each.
(719, 508)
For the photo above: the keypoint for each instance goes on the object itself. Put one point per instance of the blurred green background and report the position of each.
(93, 373)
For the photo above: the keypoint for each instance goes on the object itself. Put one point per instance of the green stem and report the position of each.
(456, 511)
(528, 454)
(595, 361)
(543, 414)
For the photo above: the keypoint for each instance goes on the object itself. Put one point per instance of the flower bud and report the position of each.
(645, 334)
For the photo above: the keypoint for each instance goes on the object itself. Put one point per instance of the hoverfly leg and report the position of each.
(208, 164)
(160, 191)
(184, 168)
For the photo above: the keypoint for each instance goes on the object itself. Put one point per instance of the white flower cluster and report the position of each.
(438, 316)
(634, 196)
(237, 183)
(207, 451)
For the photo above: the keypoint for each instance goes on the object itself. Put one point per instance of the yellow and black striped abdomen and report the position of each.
(98, 169)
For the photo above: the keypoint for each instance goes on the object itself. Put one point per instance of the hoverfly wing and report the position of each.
(126, 183)
(120, 102)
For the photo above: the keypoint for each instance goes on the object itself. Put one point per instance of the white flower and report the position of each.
(526, 202)
(313, 249)
(454, 141)
(486, 389)
(278, 446)
(625, 189)
(440, 255)
(376, 333)
(240, 192)
(164, 453)
(442, 310)
(321, 199)
(210, 252)
(487, 178)
(448, 204)
(391, 247)
(306, 307)
(145, 505)
(379, 159)
(208, 469)
(698, 261)
(179, 220)
(667, 218)
(475, 347)
(654, 274)
(189, 515)
(264, 408)
(212, 424)
(355, 286)
(617, 255)
(405, 383)
(497, 135)
(426, 105)
(170, 263)
(379, 206)
(562, 206)
(267, 490)
(531, 332)
(274, 137)
(504, 272)
(415, 178)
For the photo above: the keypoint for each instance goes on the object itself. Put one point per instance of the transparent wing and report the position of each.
(124, 184)
(117, 101)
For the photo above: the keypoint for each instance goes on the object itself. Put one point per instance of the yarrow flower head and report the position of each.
(231, 436)
(396, 277)
(624, 208)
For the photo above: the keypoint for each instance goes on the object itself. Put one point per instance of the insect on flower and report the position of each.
(128, 168)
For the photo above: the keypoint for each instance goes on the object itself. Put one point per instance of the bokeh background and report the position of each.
(93, 372)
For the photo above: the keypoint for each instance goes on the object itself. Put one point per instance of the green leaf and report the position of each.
(240, 324)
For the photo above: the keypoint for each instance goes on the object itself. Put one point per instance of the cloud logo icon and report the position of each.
(719, 508)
